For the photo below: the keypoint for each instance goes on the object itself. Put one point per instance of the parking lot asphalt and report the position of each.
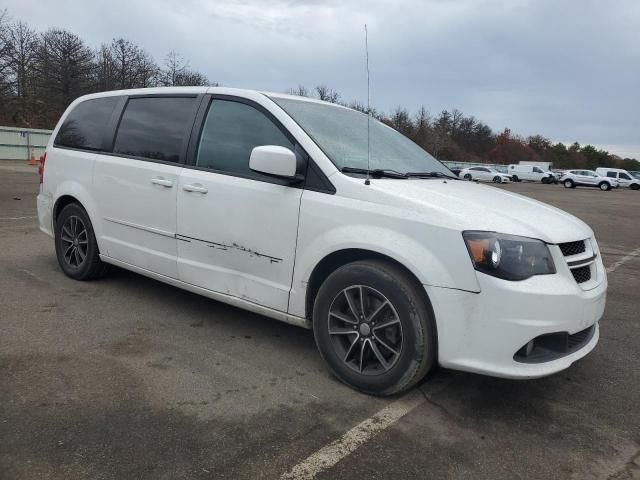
(128, 378)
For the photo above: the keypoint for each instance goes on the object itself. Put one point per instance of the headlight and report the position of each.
(508, 256)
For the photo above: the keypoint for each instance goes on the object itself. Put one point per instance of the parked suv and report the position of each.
(274, 204)
(587, 178)
(624, 178)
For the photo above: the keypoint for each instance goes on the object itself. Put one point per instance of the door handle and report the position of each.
(195, 187)
(162, 181)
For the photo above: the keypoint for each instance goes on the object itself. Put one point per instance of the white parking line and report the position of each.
(17, 218)
(630, 256)
(331, 454)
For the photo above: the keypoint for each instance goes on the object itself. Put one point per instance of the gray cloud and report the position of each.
(569, 70)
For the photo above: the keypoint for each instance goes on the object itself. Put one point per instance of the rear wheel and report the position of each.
(604, 186)
(374, 327)
(76, 246)
(568, 184)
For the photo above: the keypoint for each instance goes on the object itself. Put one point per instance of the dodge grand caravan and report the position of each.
(277, 205)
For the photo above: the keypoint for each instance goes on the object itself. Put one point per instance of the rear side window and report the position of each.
(231, 131)
(611, 174)
(155, 127)
(85, 125)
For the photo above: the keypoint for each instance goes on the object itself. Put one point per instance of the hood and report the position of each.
(471, 206)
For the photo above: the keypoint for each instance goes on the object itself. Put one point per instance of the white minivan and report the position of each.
(275, 204)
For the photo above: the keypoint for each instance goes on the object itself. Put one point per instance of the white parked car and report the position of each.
(531, 173)
(485, 174)
(624, 178)
(266, 202)
(587, 178)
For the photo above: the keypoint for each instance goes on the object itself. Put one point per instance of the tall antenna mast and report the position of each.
(366, 49)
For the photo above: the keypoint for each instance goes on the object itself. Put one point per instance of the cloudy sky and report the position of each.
(567, 69)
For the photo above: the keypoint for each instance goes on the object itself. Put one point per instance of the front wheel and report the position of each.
(634, 186)
(604, 186)
(374, 327)
(76, 246)
(568, 184)
(468, 177)
(515, 178)
(497, 179)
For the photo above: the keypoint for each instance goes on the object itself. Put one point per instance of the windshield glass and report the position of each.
(341, 133)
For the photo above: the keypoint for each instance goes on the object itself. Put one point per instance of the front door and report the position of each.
(237, 229)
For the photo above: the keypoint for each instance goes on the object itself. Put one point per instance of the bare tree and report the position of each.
(300, 91)
(104, 72)
(125, 56)
(5, 81)
(189, 78)
(64, 66)
(148, 71)
(174, 66)
(327, 94)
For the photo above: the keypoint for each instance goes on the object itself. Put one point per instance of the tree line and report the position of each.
(451, 135)
(42, 72)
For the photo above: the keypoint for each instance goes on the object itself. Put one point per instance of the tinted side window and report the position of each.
(85, 125)
(537, 170)
(624, 176)
(611, 174)
(155, 127)
(230, 132)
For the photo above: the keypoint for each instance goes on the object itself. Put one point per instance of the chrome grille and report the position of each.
(572, 248)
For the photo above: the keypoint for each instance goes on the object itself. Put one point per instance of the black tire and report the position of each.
(634, 186)
(545, 180)
(515, 178)
(569, 184)
(410, 328)
(604, 186)
(468, 177)
(76, 247)
(497, 179)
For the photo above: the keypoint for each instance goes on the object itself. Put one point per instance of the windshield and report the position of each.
(341, 133)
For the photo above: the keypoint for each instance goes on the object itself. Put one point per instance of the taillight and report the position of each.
(43, 158)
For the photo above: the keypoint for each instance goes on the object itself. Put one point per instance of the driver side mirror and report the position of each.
(273, 160)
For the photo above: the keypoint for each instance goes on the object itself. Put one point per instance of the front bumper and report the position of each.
(481, 332)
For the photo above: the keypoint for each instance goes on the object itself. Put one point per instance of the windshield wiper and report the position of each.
(375, 172)
(430, 175)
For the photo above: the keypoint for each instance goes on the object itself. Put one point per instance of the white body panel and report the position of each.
(587, 178)
(136, 204)
(238, 238)
(624, 178)
(483, 174)
(255, 244)
(531, 173)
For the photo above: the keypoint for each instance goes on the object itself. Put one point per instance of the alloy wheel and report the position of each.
(365, 330)
(75, 241)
